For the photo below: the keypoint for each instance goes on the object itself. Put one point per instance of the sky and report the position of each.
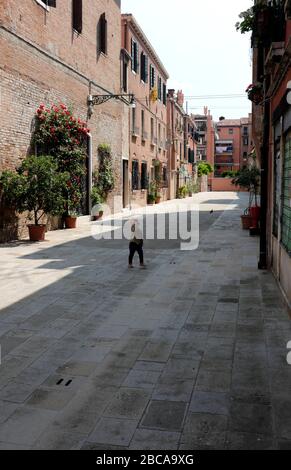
(200, 48)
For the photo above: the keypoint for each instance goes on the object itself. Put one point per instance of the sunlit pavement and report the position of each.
(188, 354)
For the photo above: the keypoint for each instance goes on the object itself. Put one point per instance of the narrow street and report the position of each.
(188, 354)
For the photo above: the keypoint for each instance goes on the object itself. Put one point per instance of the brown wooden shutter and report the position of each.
(78, 15)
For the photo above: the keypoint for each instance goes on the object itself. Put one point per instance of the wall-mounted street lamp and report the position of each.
(96, 100)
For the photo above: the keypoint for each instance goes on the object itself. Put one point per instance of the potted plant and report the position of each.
(151, 199)
(36, 187)
(64, 137)
(255, 93)
(97, 200)
(249, 178)
(152, 195)
(158, 197)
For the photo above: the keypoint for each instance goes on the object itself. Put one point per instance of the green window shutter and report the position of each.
(146, 68)
(132, 54)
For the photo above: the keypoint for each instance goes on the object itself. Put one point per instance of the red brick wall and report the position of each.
(30, 76)
(224, 184)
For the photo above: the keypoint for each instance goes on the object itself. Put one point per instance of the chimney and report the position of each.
(205, 110)
(180, 98)
(171, 93)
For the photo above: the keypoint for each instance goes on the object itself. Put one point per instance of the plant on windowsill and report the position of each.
(37, 187)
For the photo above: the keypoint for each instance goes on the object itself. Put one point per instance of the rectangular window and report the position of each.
(152, 77)
(230, 131)
(77, 15)
(246, 131)
(164, 94)
(102, 28)
(165, 176)
(160, 88)
(124, 75)
(135, 175)
(144, 176)
(286, 202)
(144, 74)
(134, 56)
(246, 141)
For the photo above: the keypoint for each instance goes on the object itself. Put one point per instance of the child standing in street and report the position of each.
(136, 244)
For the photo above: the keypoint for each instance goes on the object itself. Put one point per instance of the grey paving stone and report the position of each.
(114, 432)
(25, 425)
(15, 392)
(93, 446)
(149, 366)
(210, 441)
(213, 381)
(251, 417)
(56, 439)
(210, 402)
(147, 439)
(173, 389)
(110, 375)
(141, 379)
(282, 416)
(128, 403)
(156, 351)
(82, 368)
(204, 424)
(9, 446)
(6, 410)
(248, 441)
(50, 399)
(164, 415)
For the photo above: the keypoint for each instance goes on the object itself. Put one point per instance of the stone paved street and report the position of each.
(188, 354)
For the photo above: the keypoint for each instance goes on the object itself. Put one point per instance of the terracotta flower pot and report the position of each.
(255, 212)
(70, 222)
(98, 216)
(246, 221)
(158, 200)
(37, 233)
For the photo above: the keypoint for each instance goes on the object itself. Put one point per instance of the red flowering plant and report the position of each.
(63, 136)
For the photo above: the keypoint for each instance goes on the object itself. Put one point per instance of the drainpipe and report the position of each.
(90, 169)
(264, 185)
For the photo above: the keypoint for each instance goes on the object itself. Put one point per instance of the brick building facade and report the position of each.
(144, 75)
(233, 144)
(52, 54)
(271, 42)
